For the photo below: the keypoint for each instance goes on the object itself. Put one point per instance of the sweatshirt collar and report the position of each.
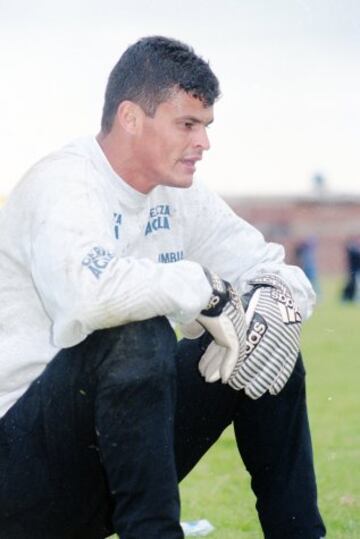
(129, 195)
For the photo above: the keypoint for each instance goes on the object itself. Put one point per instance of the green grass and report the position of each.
(219, 490)
(331, 344)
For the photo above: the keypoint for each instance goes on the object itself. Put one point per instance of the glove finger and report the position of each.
(209, 363)
(288, 352)
(248, 370)
(265, 376)
(275, 373)
(230, 359)
(279, 384)
(223, 331)
(207, 356)
(254, 391)
(284, 375)
(260, 384)
(193, 330)
(213, 372)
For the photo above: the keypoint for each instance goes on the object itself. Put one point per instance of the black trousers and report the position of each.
(100, 440)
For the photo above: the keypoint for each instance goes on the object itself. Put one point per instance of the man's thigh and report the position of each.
(52, 456)
(49, 461)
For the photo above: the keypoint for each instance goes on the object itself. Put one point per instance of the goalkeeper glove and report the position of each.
(224, 319)
(273, 336)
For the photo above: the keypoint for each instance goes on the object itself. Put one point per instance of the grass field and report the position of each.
(218, 489)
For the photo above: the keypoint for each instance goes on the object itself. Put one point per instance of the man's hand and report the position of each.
(224, 319)
(273, 336)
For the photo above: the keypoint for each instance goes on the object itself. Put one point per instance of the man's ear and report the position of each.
(129, 115)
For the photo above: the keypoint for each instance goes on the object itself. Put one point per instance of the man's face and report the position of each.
(170, 143)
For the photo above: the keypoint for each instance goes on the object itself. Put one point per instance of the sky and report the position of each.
(289, 73)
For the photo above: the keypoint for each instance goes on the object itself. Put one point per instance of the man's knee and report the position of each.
(137, 353)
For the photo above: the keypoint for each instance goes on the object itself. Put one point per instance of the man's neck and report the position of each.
(120, 156)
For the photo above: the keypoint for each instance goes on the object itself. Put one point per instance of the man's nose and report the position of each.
(202, 139)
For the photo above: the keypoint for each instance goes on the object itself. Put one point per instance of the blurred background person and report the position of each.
(305, 252)
(351, 290)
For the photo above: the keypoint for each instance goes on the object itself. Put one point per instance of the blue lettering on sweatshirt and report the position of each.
(117, 217)
(169, 257)
(159, 219)
(97, 260)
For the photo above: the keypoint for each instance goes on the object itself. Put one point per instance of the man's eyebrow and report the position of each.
(195, 120)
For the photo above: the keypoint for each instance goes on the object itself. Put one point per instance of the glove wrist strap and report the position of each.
(220, 294)
(269, 280)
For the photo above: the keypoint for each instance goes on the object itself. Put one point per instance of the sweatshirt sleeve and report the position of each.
(84, 285)
(227, 244)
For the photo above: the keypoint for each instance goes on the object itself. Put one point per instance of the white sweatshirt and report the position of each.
(81, 250)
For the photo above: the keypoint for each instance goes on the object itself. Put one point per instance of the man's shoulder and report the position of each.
(73, 158)
(67, 165)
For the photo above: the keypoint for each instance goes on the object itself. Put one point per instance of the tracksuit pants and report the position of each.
(99, 442)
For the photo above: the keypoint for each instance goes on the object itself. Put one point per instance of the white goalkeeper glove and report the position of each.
(273, 337)
(224, 319)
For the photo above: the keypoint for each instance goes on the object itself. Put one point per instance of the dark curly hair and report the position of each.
(150, 70)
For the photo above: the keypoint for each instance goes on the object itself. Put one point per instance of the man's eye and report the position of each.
(189, 125)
